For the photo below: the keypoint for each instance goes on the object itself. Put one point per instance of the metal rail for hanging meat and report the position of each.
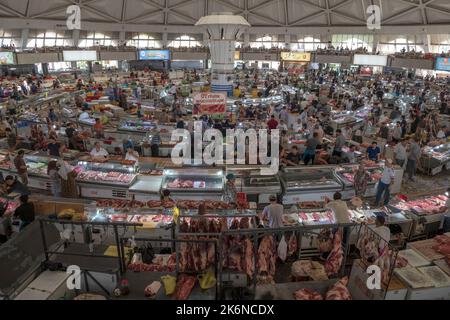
(122, 242)
(260, 233)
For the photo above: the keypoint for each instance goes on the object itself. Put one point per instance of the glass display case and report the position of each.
(309, 184)
(434, 158)
(137, 126)
(194, 183)
(113, 174)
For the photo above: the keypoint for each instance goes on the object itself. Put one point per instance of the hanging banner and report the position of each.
(296, 56)
(209, 103)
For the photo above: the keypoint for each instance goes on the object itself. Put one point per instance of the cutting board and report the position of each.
(414, 259)
(425, 248)
(414, 278)
(439, 278)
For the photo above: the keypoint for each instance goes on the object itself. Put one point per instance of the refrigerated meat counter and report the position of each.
(194, 183)
(146, 188)
(258, 187)
(345, 174)
(105, 180)
(434, 159)
(309, 184)
(136, 126)
(37, 170)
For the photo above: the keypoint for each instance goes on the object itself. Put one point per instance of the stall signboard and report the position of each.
(442, 64)
(79, 55)
(6, 58)
(154, 55)
(370, 60)
(209, 103)
(365, 72)
(296, 56)
(237, 55)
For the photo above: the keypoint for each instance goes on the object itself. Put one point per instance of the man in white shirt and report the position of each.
(387, 179)
(382, 231)
(296, 127)
(99, 153)
(400, 153)
(273, 213)
(282, 126)
(339, 207)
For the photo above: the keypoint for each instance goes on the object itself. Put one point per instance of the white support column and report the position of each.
(122, 39)
(205, 39)
(426, 43)
(376, 42)
(76, 37)
(246, 39)
(287, 41)
(164, 41)
(24, 38)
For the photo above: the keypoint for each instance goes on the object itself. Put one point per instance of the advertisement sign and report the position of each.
(209, 103)
(154, 55)
(365, 72)
(442, 64)
(296, 56)
(6, 58)
(370, 60)
(237, 55)
(81, 55)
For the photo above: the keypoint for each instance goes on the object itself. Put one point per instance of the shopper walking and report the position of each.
(272, 214)
(385, 183)
(310, 151)
(25, 212)
(21, 167)
(400, 154)
(361, 179)
(413, 159)
(52, 172)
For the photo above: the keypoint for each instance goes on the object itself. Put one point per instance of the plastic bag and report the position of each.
(170, 283)
(207, 280)
(282, 249)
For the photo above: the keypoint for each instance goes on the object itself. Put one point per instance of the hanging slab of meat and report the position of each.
(184, 287)
(339, 291)
(211, 254)
(184, 256)
(292, 245)
(267, 256)
(307, 294)
(336, 257)
(248, 266)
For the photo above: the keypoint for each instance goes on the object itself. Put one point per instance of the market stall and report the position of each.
(105, 180)
(309, 183)
(194, 183)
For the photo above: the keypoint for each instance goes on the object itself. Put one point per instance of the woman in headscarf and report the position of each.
(360, 181)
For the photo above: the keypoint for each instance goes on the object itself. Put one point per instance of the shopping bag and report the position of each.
(207, 280)
(170, 283)
(282, 249)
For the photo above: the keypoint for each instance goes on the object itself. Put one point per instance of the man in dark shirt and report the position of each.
(293, 157)
(54, 148)
(373, 152)
(180, 123)
(14, 186)
(311, 146)
(25, 212)
(70, 132)
(11, 139)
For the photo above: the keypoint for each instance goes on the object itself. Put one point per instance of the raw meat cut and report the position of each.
(336, 256)
(292, 245)
(184, 287)
(339, 291)
(307, 294)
